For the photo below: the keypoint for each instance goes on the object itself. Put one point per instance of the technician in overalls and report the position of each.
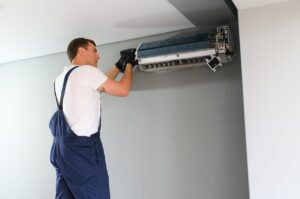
(77, 152)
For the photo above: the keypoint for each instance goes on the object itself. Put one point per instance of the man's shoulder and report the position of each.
(82, 72)
(79, 69)
(68, 67)
(61, 76)
(88, 69)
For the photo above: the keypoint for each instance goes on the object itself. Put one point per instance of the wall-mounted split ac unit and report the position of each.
(212, 49)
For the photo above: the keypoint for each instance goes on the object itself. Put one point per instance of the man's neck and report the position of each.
(77, 63)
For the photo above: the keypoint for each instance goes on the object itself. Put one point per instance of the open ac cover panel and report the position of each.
(212, 49)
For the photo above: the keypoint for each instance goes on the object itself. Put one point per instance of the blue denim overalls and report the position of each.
(79, 160)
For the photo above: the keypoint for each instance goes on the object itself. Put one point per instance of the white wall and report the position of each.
(270, 41)
(178, 135)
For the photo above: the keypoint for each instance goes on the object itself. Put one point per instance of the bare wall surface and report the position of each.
(270, 64)
(179, 135)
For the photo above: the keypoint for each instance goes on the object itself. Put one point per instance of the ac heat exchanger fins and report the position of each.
(212, 49)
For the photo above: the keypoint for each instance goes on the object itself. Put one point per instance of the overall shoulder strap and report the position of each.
(60, 103)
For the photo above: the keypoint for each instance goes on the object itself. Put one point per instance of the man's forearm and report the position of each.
(126, 79)
(113, 72)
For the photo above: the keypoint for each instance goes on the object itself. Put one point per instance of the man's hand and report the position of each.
(131, 55)
(127, 56)
(122, 62)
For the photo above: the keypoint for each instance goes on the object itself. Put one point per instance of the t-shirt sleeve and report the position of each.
(92, 76)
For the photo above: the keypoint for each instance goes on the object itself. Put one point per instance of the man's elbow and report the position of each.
(125, 93)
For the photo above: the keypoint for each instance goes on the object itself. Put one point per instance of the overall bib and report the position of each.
(79, 161)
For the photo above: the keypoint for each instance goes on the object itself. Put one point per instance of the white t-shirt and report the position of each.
(81, 104)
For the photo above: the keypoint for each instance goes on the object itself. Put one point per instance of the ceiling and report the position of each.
(32, 28)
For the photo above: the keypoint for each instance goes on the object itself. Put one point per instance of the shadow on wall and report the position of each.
(181, 78)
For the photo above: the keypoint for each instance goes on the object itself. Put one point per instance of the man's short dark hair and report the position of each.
(77, 43)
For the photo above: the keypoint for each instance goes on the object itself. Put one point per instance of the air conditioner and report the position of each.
(211, 48)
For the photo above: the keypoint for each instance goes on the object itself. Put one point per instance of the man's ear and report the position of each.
(81, 51)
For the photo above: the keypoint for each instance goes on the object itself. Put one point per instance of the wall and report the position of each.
(178, 135)
(270, 43)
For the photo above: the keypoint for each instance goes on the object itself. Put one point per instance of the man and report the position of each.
(77, 152)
